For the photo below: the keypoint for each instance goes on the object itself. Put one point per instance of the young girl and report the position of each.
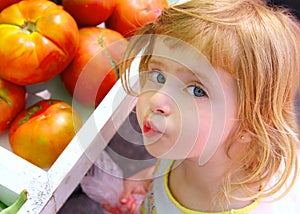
(216, 107)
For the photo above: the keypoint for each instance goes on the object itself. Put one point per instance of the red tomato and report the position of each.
(130, 15)
(6, 3)
(41, 132)
(93, 70)
(89, 12)
(38, 40)
(12, 101)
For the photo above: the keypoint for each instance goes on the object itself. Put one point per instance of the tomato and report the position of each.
(130, 15)
(93, 70)
(41, 132)
(89, 12)
(38, 40)
(6, 3)
(12, 101)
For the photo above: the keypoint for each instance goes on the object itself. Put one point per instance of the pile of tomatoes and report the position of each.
(80, 41)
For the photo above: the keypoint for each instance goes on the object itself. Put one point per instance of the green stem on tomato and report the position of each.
(3, 96)
(16, 206)
(31, 111)
(2, 206)
(112, 62)
(29, 27)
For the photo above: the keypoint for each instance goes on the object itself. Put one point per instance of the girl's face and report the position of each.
(186, 108)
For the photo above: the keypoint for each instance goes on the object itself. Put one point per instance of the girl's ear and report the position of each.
(240, 146)
(245, 137)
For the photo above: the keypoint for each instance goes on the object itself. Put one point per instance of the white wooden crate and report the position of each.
(50, 188)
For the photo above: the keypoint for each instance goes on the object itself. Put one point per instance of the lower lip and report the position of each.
(150, 133)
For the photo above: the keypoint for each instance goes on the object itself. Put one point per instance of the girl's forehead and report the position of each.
(184, 55)
(169, 47)
(178, 51)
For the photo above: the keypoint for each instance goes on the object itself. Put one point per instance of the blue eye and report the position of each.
(157, 76)
(196, 91)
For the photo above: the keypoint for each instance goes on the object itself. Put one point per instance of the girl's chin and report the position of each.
(162, 153)
(155, 150)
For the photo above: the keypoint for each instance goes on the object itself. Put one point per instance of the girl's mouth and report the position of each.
(149, 130)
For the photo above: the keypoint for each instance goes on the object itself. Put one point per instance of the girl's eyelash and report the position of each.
(197, 90)
(150, 69)
(157, 76)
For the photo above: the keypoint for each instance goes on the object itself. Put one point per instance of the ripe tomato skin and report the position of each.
(12, 101)
(41, 132)
(89, 12)
(130, 15)
(6, 3)
(38, 40)
(91, 74)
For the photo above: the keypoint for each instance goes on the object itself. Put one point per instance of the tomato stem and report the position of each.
(16, 206)
(29, 27)
(3, 96)
(113, 63)
(31, 111)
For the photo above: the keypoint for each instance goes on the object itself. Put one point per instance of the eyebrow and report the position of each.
(155, 61)
(197, 73)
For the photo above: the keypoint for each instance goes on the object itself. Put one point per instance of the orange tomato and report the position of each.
(130, 15)
(38, 40)
(12, 101)
(41, 132)
(89, 12)
(93, 71)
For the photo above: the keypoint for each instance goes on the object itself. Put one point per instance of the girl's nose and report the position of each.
(160, 103)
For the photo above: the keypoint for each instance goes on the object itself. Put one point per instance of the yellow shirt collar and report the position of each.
(243, 210)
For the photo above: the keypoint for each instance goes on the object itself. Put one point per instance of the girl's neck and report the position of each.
(197, 187)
